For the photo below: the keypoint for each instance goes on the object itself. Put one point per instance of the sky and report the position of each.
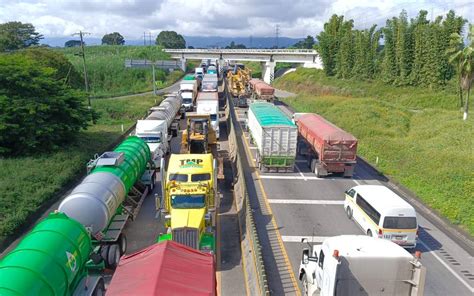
(228, 18)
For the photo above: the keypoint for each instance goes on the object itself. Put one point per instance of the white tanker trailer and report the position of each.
(160, 125)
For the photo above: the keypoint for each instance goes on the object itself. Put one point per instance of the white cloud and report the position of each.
(297, 18)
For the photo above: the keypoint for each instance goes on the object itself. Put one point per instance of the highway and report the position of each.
(303, 205)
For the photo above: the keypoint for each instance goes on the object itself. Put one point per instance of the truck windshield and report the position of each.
(399, 223)
(187, 101)
(213, 117)
(151, 139)
(200, 177)
(192, 201)
(179, 177)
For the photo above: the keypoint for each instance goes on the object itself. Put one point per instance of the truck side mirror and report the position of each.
(305, 256)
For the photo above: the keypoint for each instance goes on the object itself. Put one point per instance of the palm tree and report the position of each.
(463, 58)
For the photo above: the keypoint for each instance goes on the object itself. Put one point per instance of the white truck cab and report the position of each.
(155, 134)
(360, 265)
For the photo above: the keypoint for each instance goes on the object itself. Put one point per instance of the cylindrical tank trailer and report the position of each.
(95, 201)
(50, 260)
(167, 110)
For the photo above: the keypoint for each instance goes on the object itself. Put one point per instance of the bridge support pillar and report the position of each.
(183, 64)
(268, 71)
(317, 63)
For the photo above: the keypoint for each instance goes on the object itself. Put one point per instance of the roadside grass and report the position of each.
(26, 183)
(417, 135)
(107, 74)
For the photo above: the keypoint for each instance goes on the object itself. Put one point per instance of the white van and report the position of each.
(381, 213)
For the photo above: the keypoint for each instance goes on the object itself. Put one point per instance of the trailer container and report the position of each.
(275, 136)
(52, 259)
(261, 90)
(170, 110)
(112, 194)
(209, 83)
(328, 148)
(208, 103)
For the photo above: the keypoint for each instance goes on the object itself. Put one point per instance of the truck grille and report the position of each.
(186, 236)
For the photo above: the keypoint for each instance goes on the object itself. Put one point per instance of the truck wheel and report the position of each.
(122, 242)
(104, 250)
(304, 283)
(349, 213)
(99, 289)
(369, 233)
(317, 171)
(113, 256)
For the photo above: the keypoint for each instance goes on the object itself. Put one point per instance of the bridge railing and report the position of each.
(251, 51)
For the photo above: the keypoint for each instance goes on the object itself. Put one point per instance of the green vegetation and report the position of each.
(114, 38)
(38, 110)
(26, 183)
(414, 132)
(412, 53)
(107, 74)
(170, 39)
(16, 35)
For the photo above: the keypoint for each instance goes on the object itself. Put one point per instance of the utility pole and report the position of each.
(277, 33)
(144, 38)
(86, 83)
(149, 35)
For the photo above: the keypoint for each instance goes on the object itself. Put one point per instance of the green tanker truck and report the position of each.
(112, 194)
(53, 259)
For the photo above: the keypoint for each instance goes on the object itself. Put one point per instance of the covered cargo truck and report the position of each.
(166, 268)
(275, 136)
(52, 259)
(188, 90)
(328, 148)
(261, 90)
(360, 265)
(155, 134)
(209, 83)
(111, 194)
(208, 103)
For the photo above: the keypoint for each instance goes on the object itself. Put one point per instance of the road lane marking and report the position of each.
(306, 201)
(298, 238)
(273, 221)
(447, 266)
(355, 181)
(291, 177)
(301, 174)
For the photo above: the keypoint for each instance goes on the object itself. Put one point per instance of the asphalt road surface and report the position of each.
(306, 206)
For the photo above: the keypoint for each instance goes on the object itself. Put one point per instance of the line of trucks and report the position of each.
(341, 265)
(67, 252)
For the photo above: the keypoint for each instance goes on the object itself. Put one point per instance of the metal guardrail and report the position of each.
(246, 220)
(245, 51)
(164, 64)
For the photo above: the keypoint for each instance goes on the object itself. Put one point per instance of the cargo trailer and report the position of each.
(261, 91)
(328, 148)
(52, 259)
(275, 136)
(110, 195)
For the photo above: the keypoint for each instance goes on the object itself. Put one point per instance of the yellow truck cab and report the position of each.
(189, 195)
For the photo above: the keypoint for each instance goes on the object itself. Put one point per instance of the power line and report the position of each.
(86, 83)
(144, 38)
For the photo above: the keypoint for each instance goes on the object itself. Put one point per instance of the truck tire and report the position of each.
(304, 283)
(104, 250)
(349, 213)
(99, 289)
(113, 256)
(369, 233)
(122, 242)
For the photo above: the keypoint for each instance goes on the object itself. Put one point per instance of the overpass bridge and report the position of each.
(267, 57)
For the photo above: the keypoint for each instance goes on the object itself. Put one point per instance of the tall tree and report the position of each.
(345, 54)
(328, 43)
(73, 43)
(37, 112)
(170, 39)
(389, 64)
(114, 38)
(464, 60)
(307, 43)
(16, 35)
